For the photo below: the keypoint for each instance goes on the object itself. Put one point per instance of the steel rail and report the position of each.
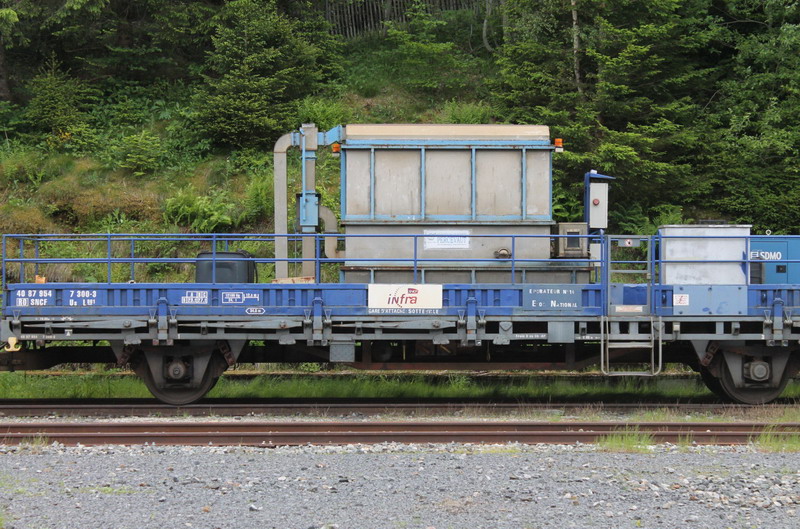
(325, 433)
(145, 408)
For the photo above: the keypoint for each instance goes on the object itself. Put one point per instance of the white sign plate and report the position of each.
(680, 300)
(195, 297)
(404, 296)
(447, 239)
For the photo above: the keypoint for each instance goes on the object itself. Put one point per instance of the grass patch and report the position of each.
(406, 386)
(83, 386)
(629, 441)
(107, 490)
(34, 444)
(772, 441)
(453, 386)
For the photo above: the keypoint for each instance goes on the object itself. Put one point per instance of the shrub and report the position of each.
(202, 213)
(10, 118)
(16, 217)
(141, 153)
(22, 166)
(259, 199)
(73, 202)
(263, 62)
(58, 101)
(325, 113)
(466, 113)
(420, 63)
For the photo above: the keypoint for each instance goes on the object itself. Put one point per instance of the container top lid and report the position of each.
(447, 132)
(706, 226)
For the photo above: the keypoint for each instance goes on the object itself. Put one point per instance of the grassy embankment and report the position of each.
(379, 386)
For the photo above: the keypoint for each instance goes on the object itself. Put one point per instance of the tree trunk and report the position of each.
(504, 14)
(485, 33)
(576, 47)
(5, 92)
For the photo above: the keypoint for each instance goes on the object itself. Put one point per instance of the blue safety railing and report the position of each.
(31, 253)
(119, 259)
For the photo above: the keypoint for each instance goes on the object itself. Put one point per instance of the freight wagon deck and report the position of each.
(457, 273)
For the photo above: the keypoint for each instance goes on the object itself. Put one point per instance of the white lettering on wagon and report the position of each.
(446, 239)
(404, 297)
(237, 297)
(195, 297)
(34, 297)
(82, 298)
(762, 255)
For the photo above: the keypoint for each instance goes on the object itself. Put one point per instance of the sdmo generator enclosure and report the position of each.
(444, 255)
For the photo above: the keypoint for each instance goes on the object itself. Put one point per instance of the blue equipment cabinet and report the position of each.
(775, 259)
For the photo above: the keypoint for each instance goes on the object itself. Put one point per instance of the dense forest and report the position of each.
(160, 115)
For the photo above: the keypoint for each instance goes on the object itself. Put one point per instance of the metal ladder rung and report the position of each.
(630, 345)
(654, 345)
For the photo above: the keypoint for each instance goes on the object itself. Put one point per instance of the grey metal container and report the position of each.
(462, 190)
(708, 246)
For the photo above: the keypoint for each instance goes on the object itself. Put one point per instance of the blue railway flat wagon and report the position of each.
(444, 255)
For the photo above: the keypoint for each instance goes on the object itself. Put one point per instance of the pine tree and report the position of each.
(263, 62)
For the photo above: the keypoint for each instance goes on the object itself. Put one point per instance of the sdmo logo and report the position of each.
(763, 255)
(404, 296)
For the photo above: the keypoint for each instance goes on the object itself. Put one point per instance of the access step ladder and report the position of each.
(611, 341)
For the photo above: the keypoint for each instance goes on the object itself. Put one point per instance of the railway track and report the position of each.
(339, 407)
(271, 434)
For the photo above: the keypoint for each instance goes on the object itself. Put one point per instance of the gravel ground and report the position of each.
(396, 486)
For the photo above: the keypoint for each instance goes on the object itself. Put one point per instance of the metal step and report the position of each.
(654, 345)
(630, 345)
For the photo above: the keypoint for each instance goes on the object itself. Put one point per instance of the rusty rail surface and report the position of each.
(341, 407)
(272, 434)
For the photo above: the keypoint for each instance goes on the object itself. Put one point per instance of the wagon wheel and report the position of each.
(180, 395)
(713, 384)
(751, 395)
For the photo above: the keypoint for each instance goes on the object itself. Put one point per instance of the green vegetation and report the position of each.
(165, 119)
(773, 441)
(630, 440)
(376, 385)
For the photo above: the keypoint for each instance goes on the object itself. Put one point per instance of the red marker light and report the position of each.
(596, 202)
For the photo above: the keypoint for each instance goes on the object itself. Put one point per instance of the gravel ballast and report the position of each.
(396, 486)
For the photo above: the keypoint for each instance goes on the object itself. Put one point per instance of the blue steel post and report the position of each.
(660, 259)
(108, 249)
(317, 259)
(214, 258)
(422, 162)
(605, 266)
(22, 256)
(474, 183)
(747, 261)
(416, 243)
(36, 256)
(133, 256)
(651, 241)
(343, 183)
(524, 190)
(301, 206)
(513, 259)
(3, 301)
(372, 184)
